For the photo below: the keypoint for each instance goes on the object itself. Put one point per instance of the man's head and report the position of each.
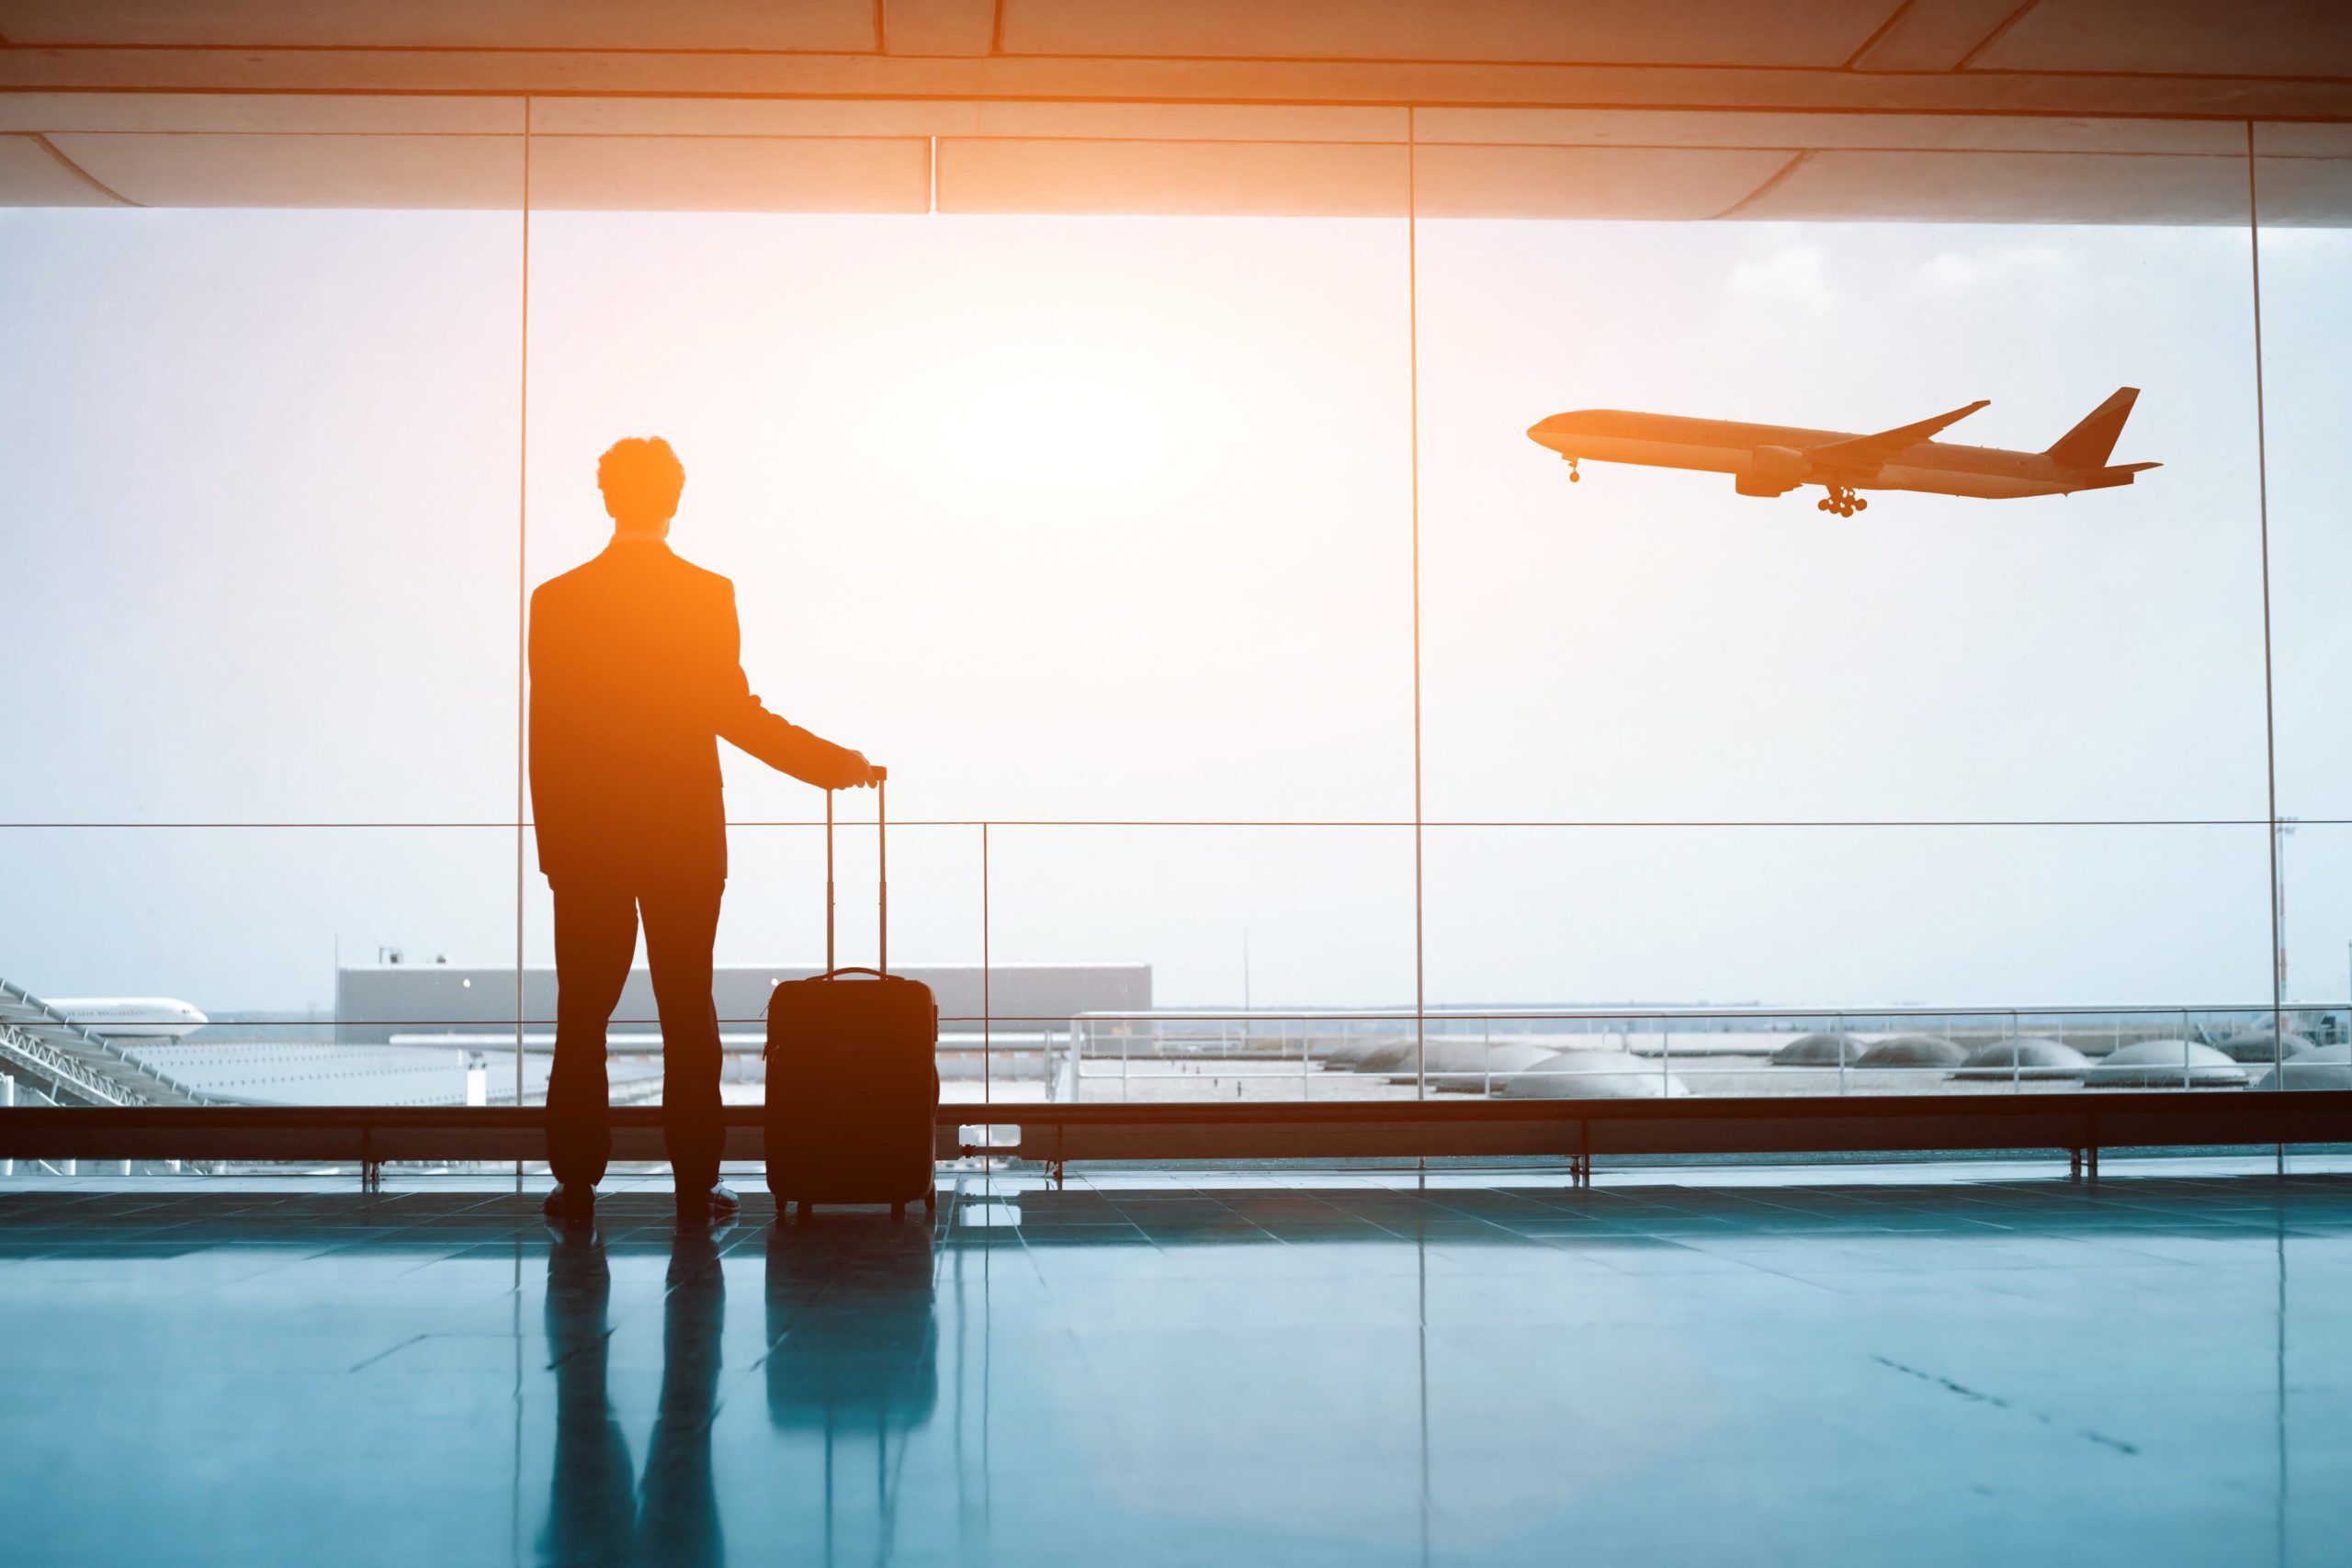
(641, 478)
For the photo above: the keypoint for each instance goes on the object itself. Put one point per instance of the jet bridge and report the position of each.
(73, 1066)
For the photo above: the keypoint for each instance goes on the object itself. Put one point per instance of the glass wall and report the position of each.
(1269, 716)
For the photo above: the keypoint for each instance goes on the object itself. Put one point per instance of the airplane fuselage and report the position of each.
(1732, 447)
(130, 1018)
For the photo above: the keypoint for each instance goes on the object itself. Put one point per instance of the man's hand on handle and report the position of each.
(868, 774)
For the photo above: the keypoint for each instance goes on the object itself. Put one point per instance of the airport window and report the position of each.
(1269, 716)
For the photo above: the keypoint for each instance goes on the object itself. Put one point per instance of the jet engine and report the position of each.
(1772, 470)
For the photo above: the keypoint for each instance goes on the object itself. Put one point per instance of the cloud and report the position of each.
(1948, 272)
(1791, 275)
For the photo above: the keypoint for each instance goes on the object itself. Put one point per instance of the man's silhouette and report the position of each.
(636, 677)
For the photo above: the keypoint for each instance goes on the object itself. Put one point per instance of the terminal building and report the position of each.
(440, 1003)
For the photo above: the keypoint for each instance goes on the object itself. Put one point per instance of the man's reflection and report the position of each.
(592, 1511)
(595, 1512)
(677, 1515)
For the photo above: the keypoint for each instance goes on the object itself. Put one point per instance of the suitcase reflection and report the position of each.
(854, 1347)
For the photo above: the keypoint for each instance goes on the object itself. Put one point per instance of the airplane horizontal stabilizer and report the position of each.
(2087, 444)
(2108, 478)
(1870, 452)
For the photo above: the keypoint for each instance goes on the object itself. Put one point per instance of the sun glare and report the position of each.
(1052, 404)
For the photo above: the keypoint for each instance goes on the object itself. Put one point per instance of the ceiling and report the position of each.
(2131, 111)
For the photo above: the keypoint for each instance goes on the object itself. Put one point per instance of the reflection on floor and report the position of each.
(1952, 1364)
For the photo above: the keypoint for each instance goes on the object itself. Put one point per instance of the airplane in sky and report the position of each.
(1772, 460)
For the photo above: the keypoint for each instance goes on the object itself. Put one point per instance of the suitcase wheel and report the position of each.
(931, 1202)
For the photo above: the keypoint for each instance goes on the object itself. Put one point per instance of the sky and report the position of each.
(1112, 520)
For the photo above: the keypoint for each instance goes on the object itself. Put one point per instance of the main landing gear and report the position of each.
(1842, 501)
(1572, 475)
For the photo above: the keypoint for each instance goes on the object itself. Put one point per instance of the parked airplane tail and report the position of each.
(2087, 444)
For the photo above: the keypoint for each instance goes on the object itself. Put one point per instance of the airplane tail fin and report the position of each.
(2087, 444)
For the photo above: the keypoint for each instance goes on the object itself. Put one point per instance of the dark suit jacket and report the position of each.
(636, 677)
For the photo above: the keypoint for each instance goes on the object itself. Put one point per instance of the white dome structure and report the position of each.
(1913, 1051)
(2030, 1056)
(2254, 1045)
(1589, 1075)
(2166, 1064)
(1469, 1065)
(1392, 1054)
(1819, 1050)
(2320, 1067)
(1349, 1049)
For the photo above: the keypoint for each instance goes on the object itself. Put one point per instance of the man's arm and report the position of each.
(742, 720)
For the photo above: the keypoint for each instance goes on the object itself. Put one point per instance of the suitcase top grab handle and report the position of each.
(882, 866)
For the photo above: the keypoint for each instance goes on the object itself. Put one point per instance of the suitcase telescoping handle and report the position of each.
(882, 858)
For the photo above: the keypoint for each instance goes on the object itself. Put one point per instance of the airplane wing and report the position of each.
(1869, 452)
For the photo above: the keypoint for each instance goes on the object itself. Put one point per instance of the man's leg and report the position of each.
(681, 925)
(595, 938)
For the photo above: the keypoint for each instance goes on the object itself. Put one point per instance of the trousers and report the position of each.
(596, 942)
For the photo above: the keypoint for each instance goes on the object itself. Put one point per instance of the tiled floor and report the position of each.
(1960, 1365)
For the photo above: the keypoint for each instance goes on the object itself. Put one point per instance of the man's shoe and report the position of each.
(715, 1205)
(570, 1200)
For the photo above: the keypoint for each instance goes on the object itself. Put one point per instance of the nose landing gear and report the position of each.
(1573, 476)
(1842, 501)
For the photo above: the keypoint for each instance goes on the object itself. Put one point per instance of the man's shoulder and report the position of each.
(563, 585)
(703, 578)
(612, 572)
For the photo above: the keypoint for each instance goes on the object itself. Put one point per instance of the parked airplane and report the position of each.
(1771, 459)
(142, 1018)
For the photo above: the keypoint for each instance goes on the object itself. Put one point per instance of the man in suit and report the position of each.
(636, 677)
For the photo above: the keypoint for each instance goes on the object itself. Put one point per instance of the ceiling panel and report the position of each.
(1587, 182)
(938, 27)
(352, 113)
(1935, 35)
(209, 170)
(1194, 122)
(2197, 38)
(751, 116)
(1294, 178)
(2306, 191)
(813, 24)
(31, 175)
(2007, 187)
(1823, 32)
(731, 174)
(1796, 132)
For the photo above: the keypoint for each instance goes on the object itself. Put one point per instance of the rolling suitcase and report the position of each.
(852, 1071)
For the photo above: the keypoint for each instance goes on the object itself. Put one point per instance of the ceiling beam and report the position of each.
(464, 71)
